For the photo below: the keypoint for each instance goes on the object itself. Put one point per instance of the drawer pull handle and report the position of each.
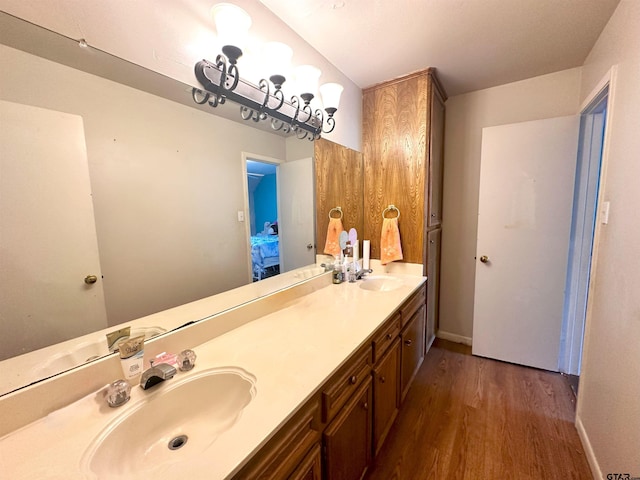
(408, 343)
(365, 405)
(353, 380)
(389, 336)
(382, 379)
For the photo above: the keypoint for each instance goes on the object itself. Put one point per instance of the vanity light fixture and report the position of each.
(221, 80)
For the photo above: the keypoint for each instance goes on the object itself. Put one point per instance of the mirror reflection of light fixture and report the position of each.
(221, 81)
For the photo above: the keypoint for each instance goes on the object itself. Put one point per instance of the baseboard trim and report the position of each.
(453, 337)
(588, 450)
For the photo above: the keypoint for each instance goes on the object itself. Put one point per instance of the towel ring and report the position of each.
(336, 209)
(389, 209)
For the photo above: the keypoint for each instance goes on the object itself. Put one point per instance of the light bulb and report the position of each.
(330, 93)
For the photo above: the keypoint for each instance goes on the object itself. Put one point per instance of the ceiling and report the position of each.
(473, 44)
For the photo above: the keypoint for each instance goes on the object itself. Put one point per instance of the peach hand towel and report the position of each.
(390, 248)
(332, 245)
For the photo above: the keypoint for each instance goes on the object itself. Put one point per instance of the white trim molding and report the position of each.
(454, 337)
(588, 450)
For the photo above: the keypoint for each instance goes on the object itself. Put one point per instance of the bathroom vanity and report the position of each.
(304, 383)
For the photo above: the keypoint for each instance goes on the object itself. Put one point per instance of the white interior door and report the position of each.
(296, 226)
(524, 218)
(48, 242)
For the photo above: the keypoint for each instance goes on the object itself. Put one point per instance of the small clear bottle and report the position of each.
(349, 269)
(338, 276)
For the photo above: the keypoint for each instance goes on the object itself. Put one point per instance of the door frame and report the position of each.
(577, 336)
(247, 224)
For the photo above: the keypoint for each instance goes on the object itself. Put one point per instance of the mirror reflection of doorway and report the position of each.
(263, 219)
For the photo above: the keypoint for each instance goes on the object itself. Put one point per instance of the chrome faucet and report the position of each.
(156, 374)
(361, 273)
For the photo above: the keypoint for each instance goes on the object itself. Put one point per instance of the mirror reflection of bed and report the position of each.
(263, 218)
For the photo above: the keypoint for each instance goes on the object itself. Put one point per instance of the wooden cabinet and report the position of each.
(289, 448)
(386, 381)
(334, 435)
(436, 158)
(347, 440)
(433, 284)
(311, 466)
(413, 351)
(403, 155)
(403, 134)
(338, 183)
(345, 382)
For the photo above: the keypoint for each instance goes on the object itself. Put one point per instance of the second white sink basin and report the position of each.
(380, 283)
(172, 425)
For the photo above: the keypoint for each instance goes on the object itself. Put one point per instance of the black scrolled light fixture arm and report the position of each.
(221, 81)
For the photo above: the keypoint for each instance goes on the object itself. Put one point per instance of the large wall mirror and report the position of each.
(150, 186)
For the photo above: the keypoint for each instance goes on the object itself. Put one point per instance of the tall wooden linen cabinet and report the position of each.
(403, 147)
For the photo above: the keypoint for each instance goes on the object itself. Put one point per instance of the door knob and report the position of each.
(309, 246)
(90, 279)
(484, 259)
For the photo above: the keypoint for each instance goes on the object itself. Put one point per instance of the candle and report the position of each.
(366, 251)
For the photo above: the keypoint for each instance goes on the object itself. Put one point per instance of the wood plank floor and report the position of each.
(468, 417)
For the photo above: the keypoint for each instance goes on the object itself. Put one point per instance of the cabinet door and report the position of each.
(310, 468)
(412, 350)
(386, 394)
(433, 283)
(436, 160)
(348, 438)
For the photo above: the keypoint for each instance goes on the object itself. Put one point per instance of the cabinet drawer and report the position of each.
(385, 337)
(412, 305)
(283, 454)
(345, 383)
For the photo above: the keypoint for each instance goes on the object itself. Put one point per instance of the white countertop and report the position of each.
(290, 352)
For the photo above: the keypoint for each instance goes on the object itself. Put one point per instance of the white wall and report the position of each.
(167, 184)
(609, 396)
(541, 97)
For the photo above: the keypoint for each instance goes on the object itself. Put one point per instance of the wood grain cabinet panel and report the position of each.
(344, 383)
(386, 380)
(311, 466)
(385, 336)
(433, 283)
(412, 355)
(403, 132)
(412, 305)
(282, 455)
(347, 440)
(338, 183)
(436, 159)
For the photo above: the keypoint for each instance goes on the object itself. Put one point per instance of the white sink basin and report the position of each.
(174, 424)
(380, 283)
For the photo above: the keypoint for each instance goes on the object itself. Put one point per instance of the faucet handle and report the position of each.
(118, 393)
(186, 360)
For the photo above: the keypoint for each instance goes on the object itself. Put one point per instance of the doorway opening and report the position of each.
(262, 189)
(583, 228)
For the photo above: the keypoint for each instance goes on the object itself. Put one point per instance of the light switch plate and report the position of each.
(604, 213)
(240, 216)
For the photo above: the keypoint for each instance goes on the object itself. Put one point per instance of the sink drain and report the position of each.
(178, 442)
